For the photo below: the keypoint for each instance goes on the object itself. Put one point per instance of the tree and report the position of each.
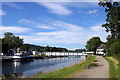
(25, 47)
(93, 43)
(80, 50)
(10, 42)
(53, 49)
(47, 48)
(112, 24)
(0, 45)
(115, 48)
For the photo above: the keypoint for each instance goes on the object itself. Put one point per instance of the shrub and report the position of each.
(114, 49)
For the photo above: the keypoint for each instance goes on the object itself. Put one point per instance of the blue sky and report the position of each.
(60, 24)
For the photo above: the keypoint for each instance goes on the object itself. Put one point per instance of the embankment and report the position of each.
(62, 73)
(113, 67)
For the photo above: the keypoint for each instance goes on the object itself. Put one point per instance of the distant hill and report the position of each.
(27, 47)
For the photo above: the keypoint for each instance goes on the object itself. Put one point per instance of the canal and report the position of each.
(29, 68)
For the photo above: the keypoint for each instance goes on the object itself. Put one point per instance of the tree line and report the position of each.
(11, 41)
(112, 26)
(93, 43)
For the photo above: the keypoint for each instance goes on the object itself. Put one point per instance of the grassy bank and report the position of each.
(113, 66)
(62, 73)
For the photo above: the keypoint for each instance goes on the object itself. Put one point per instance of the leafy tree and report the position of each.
(25, 47)
(115, 48)
(53, 49)
(47, 48)
(42, 55)
(93, 43)
(0, 45)
(37, 49)
(112, 24)
(10, 42)
(80, 50)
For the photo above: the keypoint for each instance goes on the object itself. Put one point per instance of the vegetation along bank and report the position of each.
(62, 73)
(113, 66)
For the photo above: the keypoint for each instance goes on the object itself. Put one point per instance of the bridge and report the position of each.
(64, 54)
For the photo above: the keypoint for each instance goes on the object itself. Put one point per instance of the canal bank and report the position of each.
(65, 72)
(113, 68)
(98, 70)
(29, 68)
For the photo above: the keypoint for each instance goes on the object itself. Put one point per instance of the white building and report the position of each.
(101, 50)
(1, 54)
(88, 52)
(35, 52)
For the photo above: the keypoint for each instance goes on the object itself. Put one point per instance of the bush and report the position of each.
(114, 49)
(113, 68)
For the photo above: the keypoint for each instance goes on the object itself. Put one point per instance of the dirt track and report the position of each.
(100, 71)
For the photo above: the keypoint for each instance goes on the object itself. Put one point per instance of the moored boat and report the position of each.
(22, 56)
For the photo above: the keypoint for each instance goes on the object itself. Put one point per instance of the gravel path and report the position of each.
(100, 71)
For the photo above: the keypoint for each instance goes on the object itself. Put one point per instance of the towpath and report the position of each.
(100, 71)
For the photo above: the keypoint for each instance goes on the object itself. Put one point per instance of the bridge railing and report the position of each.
(64, 53)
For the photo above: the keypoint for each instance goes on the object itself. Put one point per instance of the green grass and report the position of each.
(62, 73)
(113, 67)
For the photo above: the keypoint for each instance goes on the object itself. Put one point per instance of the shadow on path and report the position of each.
(101, 70)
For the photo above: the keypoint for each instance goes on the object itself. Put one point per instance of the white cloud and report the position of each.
(96, 28)
(35, 24)
(56, 8)
(2, 13)
(13, 29)
(52, 0)
(70, 34)
(80, 5)
(45, 27)
(26, 21)
(67, 26)
(92, 11)
(13, 5)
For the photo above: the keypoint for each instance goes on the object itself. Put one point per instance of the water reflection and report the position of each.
(16, 64)
(32, 67)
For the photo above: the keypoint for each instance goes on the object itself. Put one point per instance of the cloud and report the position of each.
(56, 8)
(2, 13)
(96, 28)
(79, 5)
(26, 21)
(13, 29)
(45, 27)
(67, 34)
(52, 0)
(65, 8)
(67, 26)
(13, 5)
(92, 11)
(35, 24)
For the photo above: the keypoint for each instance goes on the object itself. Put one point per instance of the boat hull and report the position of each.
(14, 58)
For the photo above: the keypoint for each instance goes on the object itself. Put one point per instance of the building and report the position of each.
(101, 50)
(35, 53)
(88, 52)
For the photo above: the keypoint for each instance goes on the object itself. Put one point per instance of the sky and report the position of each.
(61, 24)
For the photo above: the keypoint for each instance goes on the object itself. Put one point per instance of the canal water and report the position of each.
(29, 68)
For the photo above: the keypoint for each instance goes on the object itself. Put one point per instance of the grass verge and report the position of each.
(113, 67)
(62, 73)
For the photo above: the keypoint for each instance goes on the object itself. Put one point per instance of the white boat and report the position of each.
(22, 56)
